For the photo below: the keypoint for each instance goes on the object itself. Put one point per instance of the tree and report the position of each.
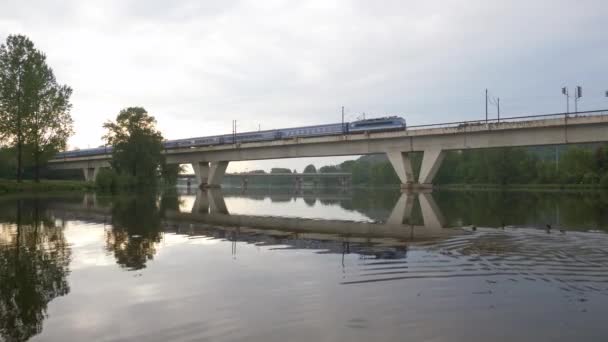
(34, 108)
(310, 169)
(50, 125)
(170, 172)
(280, 170)
(137, 146)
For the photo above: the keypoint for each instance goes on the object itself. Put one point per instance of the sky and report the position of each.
(198, 65)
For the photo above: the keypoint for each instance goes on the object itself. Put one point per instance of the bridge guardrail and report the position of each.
(510, 119)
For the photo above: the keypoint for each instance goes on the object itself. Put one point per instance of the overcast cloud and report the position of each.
(197, 65)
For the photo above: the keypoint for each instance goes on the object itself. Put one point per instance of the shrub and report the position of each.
(126, 182)
(106, 180)
(590, 178)
(604, 181)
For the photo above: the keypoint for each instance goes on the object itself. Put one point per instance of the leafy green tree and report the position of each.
(170, 172)
(329, 169)
(8, 165)
(310, 169)
(280, 170)
(575, 164)
(137, 146)
(34, 108)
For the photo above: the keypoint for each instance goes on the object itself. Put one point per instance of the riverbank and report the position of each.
(520, 187)
(11, 186)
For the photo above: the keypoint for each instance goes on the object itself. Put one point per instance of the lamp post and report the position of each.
(565, 93)
(578, 93)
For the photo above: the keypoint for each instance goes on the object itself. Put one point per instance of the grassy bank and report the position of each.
(521, 186)
(11, 186)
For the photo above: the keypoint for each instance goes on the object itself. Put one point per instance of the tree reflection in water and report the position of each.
(136, 229)
(34, 260)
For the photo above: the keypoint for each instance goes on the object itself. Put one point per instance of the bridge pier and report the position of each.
(201, 170)
(90, 173)
(217, 170)
(431, 161)
(403, 166)
(210, 175)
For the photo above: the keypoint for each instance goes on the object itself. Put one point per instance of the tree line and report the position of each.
(550, 165)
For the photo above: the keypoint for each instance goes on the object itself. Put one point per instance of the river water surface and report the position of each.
(318, 265)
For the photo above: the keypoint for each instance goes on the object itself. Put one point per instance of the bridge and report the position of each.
(210, 162)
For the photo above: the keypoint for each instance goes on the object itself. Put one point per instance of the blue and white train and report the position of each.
(392, 123)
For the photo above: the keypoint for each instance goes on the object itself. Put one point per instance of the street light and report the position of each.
(565, 92)
(578, 93)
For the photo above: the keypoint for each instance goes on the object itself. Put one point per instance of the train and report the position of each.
(383, 124)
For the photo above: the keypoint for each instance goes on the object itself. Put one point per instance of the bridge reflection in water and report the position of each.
(209, 207)
(411, 241)
(210, 216)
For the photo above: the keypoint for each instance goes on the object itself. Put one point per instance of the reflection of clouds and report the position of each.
(171, 240)
(86, 240)
(292, 208)
(143, 293)
(186, 202)
(7, 233)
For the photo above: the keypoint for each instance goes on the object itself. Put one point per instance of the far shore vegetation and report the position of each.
(549, 167)
(29, 186)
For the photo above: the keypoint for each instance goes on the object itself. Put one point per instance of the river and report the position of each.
(314, 265)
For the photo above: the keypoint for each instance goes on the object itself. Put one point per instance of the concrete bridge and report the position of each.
(210, 162)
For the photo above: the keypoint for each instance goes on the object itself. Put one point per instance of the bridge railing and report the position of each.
(496, 120)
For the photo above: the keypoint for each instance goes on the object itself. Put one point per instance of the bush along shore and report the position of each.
(11, 186)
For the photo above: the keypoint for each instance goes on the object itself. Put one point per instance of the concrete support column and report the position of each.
(402, 165)
(90, 173)
(217, 170)
(201, 170)
(431, 161)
